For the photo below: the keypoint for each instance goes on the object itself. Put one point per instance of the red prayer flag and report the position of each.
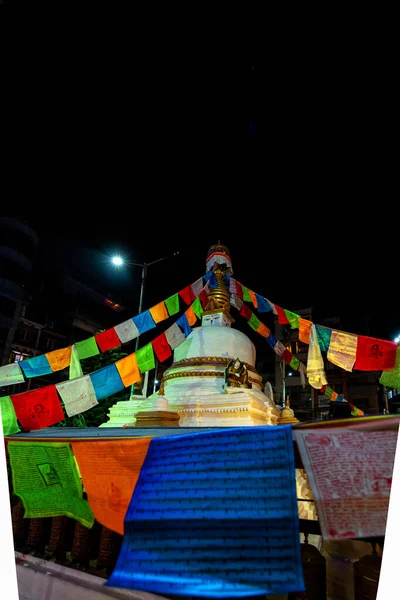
(38, 408)
(203, 298)
(322, 390)
(107, 339)
(374, 354)
(187, 294)
(287, 356)
(161, 347)
(239, 289)
(282, 318)
(245, 311)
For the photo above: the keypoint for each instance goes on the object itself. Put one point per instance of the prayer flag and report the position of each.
(174, 336)
(254, 322)
(279, 348)
(161, 347)
(236, 302)
(183, 322)
(127, 331)
(315, 363)
(263, 330)
(304, 330)
(253, 297)
(197, 307)
(302, 371)
(8, 416)
(187, 294)
(263, 304)
(75, 368)
(110, 470)
(107, 340)
(59, 359)
(172, 304)
(203, 298)
(45, 477)
(190, 315)
(245, 312)
(128, 369)
(145, 358)
(293, 319)
(272, 340)
(87, 348)
(36, 366)
(282, 318)
(294, 363)
(182, 350)
(239, 290)
(392, 378)
(328, 392)
(11, 374)
(39, 408)
(232, 285)
(229, 531)
(197, 286)
(287, 356)
(342, 350)
(159, 312)
(374, 354)
(324, 337)
(246, 295)
(144, 322)
(334, 396)
(106, 382)
(78, 395)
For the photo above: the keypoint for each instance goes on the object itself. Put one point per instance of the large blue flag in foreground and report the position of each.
(214, 514)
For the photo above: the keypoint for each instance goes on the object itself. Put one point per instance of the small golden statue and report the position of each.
(236, 374)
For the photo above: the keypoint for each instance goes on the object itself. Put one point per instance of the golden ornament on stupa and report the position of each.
(287, 415)
(219, 262)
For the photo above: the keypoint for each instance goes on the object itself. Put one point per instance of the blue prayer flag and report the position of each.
(184, 323)
(106, 382)
(262, 304)
(36, 366)
(144, 321)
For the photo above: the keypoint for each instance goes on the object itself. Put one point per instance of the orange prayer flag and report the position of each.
(334, 395)
(253, 299)
(159, 312)
(128, 369)
(304, 330)
(190, 315)
(109, 471)
(263, 330)
(59, 359)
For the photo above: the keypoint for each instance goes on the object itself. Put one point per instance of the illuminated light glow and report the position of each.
(397, 340)
(117, 261)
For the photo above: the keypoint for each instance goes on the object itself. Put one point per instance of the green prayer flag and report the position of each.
(172, 304)
(145, 358)
(246, 295)
(45, 477)
(328, 391)
(391, 378)
(182, 350)
(8, 417)
(197, 307)
(75, 369)
(293, 318)
(254, 322)
(294, 363)
(87, 348)
(324, 337)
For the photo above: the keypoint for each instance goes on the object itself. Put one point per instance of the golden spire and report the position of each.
(218, 261)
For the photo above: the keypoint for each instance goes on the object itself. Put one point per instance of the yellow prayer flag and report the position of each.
(190, 315)
(342, 349)
(263, 330)
(59, 359)
(159, 312)
(128, 369)
(304, 330)
(253, 299)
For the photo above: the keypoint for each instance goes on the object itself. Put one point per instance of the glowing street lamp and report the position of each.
(117, 261)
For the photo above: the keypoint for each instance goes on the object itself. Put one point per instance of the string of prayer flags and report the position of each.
(262, 304)
(293, 319)
(36, 366)
(392, 378)
(263, 330)
(59, 359)
(109, 471)
(11, 374)
(78, 395)
(342, 350)
(245, 312)
(324, 337)
(172, 304)
(231, 531)
(315, 363)
(107, 340)
(39, 408)
(174, 336)
(144, 322)
(45, 477)
(304, 330)
(374, 354)
(190, 315)
(197, 307)
(183, 322)
(254, 322)
(106, 382)
(75, 367)
(161, 347)
(246, 295)
(145, 358)
(187, 294)
(87, 348)
(352, 496)
(8, 417)
(197, 286)
(282, 318)
(127, 331)
(128, 370)
(159, 312)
